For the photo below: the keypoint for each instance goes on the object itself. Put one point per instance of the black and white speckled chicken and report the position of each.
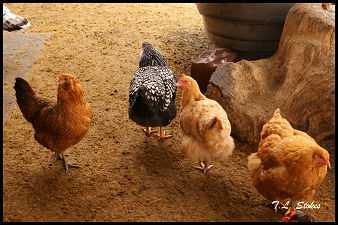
(152, 92)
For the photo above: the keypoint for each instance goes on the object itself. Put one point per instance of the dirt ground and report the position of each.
(125, 176)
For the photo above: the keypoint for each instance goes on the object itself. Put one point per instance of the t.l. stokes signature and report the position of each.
(300, 205)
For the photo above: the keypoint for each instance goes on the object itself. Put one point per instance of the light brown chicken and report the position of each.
(205, 126)
(57, 125)
(289, 164)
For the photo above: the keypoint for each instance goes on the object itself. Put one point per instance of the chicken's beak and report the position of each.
(328, 164)
(58, 80)
(179, 83)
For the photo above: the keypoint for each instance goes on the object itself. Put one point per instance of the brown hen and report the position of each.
(289, 164)
(57, 125)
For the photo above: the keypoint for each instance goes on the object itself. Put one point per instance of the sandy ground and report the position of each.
(125, 176)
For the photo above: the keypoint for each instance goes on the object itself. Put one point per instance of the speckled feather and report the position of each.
(158, 84)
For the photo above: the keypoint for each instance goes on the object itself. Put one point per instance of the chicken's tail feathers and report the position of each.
(22, 87)
(277, 113)
(254, 162)
(26, 98)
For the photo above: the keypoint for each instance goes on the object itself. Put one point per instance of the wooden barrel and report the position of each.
(252, 30)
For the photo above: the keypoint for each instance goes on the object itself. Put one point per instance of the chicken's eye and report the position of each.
(318, 157)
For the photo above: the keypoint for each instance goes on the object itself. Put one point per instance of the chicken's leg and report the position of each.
(204, 167)
(162, 134)
(148, 131)
(65, 164)
(55, 157)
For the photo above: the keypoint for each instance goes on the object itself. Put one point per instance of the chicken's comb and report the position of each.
(181, 82)
(66, 76)
(182, 76)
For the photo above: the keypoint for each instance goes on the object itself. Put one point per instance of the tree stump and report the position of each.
(299, 79)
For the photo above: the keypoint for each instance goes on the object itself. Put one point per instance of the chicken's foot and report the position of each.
(162, 134)
(148, 131)
(204, 167)
(65, 164)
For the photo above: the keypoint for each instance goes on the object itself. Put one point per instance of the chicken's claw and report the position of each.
(162, 134)
(148, 131)
(208, 168)
(204, 167)
(67, 165)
